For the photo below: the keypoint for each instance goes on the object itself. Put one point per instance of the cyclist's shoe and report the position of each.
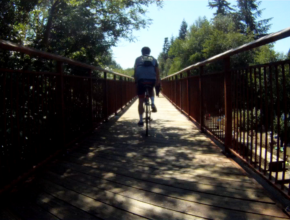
(153, 107)
(140, 123)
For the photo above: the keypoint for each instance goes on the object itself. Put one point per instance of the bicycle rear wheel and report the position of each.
(147, 118)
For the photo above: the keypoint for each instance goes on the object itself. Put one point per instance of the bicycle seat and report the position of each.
(147, 84)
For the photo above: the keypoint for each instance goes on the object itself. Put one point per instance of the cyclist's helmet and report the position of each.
(146, 51)
(146, 59)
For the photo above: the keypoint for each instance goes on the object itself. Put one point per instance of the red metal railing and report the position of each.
(48, 102)
(247, 109)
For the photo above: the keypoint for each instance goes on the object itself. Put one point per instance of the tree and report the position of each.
(14, 14)
(83, 30)
(163, 57)
(288, 54)
(171, 40)
(183, 30)
(166, 47)
(265, 54)
(224, 36)
(223, 7)
(249, 12)
(204, 40)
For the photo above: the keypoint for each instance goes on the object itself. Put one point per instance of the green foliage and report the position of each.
(265, 54)
(82, 30)
(282, 131)
(190, 50)
(248, 13)
(14, 14)
(128, 72)
(163, 59)
(204, 40)
(247, 119)
(183, 30)
(244, 15)
(222, 6)
(166, 47)
(229, 29)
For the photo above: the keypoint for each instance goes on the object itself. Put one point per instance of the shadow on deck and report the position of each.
(118, 173)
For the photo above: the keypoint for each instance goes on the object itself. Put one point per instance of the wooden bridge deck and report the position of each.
(117, 173)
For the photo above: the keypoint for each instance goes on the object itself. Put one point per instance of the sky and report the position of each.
(167, 21)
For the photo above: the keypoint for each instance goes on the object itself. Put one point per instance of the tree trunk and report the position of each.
(49, 24)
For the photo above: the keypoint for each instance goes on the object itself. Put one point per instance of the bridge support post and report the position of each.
(201, 110)
(121, 92)
(175, 90)
(105, 97)
(180, 90)
(59, 69)
(228, 105)
(91, 98)
(116, 90)
(188, 94)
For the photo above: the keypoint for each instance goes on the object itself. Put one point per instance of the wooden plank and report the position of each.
(105, 191)
(135, 187)
(153, 148)
(231, 170)
(6, 214)
(205, 181)
(147, 160)
(34, 196)
(28, 210)
(118, 174)
(131, 143)
(111, 206)
(177, 183)
(183, 173)
(61, 209)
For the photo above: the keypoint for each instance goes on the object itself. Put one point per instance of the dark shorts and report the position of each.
(142, 84)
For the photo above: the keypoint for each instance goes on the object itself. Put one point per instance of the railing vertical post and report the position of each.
(228, 105)
(91, 98)
(180, 90)
(175, 92)
(121, 92)
(126, 91)
(187, 89)
(60, 72)
(201, 110)
(105, 97)
(116, 90)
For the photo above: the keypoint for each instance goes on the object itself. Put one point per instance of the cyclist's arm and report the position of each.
(157, 75)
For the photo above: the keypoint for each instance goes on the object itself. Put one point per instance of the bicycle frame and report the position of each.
(147, 110)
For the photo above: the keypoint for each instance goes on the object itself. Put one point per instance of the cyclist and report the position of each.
(145, 70)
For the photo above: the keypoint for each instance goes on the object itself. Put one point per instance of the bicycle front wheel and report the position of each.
(147, 118)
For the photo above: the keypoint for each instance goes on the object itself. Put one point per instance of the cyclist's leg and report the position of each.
(140, 106)
(151, 94)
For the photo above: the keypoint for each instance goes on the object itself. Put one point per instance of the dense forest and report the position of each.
(231, 27)
(83, 30)
(86, 30)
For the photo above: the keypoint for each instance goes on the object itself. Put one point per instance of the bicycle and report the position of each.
(147, 106)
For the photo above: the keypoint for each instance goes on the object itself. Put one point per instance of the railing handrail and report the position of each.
(24, 49)
(245, 47)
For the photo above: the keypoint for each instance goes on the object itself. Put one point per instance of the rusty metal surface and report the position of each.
(45, 110)
(250, 116)
(259, 112)
(6, 45)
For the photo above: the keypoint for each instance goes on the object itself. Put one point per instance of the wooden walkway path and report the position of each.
(117, 173)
